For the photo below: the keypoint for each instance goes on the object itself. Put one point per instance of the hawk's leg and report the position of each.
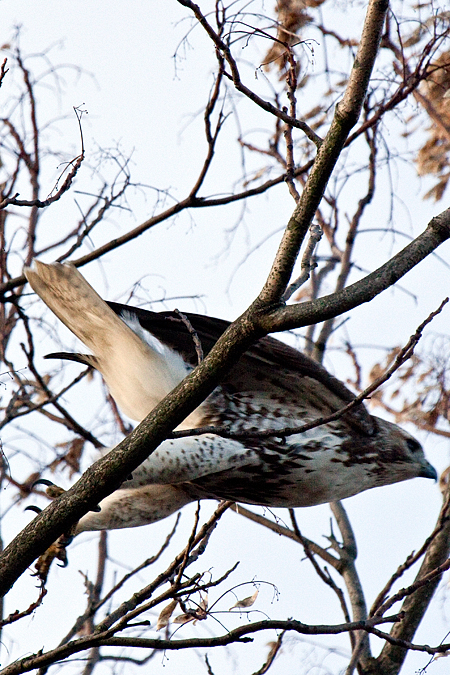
(137, 505)
(58, 549)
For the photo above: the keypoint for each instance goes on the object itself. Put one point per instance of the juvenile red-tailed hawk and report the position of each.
(143, 355)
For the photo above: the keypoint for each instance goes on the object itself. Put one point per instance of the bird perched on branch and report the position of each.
(143, 355)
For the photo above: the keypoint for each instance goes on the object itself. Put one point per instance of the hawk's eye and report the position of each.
(413, 445)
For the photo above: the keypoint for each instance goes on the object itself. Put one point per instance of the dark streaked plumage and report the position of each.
(143, 355)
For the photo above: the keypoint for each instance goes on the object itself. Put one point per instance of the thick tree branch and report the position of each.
(306, 313)
(348, 553)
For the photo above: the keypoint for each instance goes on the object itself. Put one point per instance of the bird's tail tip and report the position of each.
(37, 268)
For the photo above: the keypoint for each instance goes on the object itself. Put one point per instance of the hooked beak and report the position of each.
(428, 471)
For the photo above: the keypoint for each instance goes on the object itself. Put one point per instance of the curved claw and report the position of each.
(36, 509)
(42, 481)
(64, 564)
(53, 491)
(56, 492)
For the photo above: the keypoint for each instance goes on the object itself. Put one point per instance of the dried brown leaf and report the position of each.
(166, 613)
(246, 602)
(204, 602)
(71, 459)
(184, 618)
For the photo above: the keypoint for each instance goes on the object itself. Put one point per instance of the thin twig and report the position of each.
(315, 235)
(16, 616)
(126, 610)
(240, 635)
(193, 333)
(412, 558)
(236, 78)
(273, 652)
(324, 574)
(51, 199)
(286, 532)
(3, 70)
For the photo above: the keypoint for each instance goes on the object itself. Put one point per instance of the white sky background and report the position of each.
(142, 99)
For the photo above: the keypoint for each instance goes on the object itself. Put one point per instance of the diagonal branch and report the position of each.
(345, 117)
(364, 290)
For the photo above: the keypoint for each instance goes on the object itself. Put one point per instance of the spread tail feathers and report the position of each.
(138, 374)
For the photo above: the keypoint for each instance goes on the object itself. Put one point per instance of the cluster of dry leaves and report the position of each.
(420, 390)
(434, 156)
(199, 611)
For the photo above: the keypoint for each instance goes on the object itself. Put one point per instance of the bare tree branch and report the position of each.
(241, 634)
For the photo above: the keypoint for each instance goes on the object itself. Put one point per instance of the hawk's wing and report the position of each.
(140, 371)
(269, 366)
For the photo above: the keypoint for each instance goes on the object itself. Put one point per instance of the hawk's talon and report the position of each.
(41, 481)
(58, 549)
(53, 491)
(36, 509)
